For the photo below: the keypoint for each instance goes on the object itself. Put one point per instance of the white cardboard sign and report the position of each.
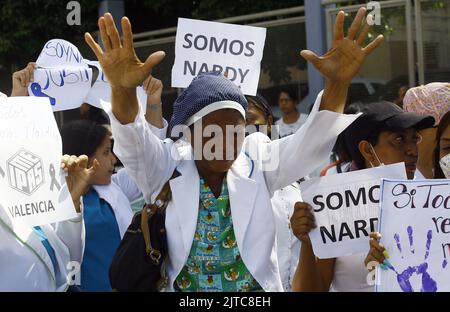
(203, 46)
(62, 75)
(346, 208)
(32, 186)
(415, 229)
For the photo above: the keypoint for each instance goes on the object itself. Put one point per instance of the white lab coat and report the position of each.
(119, 194)
(288, 246)
(123, 190)
(24, 262)
(151, 162)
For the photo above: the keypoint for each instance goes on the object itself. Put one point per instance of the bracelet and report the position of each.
(154, 106)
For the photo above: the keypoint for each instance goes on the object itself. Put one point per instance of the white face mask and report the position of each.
(445, 165)
(376, 156)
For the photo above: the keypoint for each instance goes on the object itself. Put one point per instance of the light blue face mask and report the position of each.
(445, 165)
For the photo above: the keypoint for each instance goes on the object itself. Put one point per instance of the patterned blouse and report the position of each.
(214, 262)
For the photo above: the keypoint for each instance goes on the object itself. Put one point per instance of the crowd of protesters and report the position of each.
(233, 222)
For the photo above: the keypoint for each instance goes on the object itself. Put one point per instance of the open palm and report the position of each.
(80, 177)
(347, 54)
(119, 62)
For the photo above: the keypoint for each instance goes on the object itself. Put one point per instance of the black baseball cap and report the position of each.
(382, 116)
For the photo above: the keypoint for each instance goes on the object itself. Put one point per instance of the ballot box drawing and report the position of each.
(25, 172)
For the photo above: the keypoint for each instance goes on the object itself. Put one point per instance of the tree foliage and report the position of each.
(26, 25)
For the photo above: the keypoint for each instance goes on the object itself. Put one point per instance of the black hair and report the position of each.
(443, 124)
(358, 158)
(340, 150)
(96, 115)
(82, 137)
(261, 103)
(291, 92)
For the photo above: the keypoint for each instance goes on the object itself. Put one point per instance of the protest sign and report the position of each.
(346, 208)
(203, 46)
(101, 90)
(32, 187)
(415, 229)
(62, 75)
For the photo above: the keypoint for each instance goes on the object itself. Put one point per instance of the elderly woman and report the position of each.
(219, 223)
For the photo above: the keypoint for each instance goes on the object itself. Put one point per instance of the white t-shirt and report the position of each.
(285, 129)
(350, 275)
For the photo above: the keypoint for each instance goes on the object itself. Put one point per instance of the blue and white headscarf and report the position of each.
(208, 92)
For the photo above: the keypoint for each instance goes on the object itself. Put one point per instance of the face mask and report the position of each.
(376, 156)
(445, 165)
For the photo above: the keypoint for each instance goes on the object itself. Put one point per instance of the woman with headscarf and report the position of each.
(219, 223)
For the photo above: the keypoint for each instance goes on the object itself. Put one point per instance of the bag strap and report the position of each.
(161, 202)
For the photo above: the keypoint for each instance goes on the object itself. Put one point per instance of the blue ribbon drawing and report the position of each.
(53, 182)
(37, 91)
(403, 278)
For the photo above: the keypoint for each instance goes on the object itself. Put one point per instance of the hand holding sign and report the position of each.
(303, 221)
(343, 61)
(377, 252)
(21, 79)
(120, 64)
(79, 177)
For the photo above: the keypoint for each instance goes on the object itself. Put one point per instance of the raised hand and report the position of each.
(153, 114)
(344, 60)
(21, 79)
(347, 54)
(119, 62)
(153, 87)
(80, 177)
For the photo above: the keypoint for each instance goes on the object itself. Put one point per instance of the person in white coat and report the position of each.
(383, 135)
(107, 210)
(259, 115)
(45, 258)
(224, 199)
(107, 201)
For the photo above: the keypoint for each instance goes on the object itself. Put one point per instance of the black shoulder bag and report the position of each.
(139, 262)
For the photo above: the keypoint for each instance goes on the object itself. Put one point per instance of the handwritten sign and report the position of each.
(32, 187)
(62, 75)
(100, 93)
(415, 229)
(60, 52)
(203, 46)
(346, 208)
